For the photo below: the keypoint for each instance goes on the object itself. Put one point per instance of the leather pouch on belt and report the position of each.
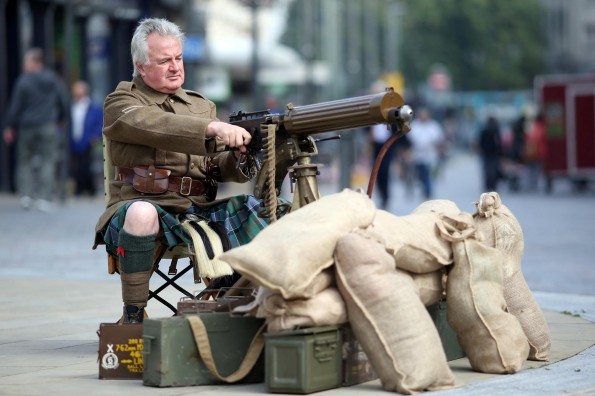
(150, 180)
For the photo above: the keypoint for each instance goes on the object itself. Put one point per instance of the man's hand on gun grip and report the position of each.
(231, 135)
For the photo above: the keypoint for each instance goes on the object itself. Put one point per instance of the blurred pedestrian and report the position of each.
(450, 126)
(39, 102)
(85, 133)
(427, 137)
(535, 151)
(403, 163)
(517, 149)
(490, 150)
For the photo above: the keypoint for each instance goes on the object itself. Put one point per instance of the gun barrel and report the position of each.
(342, 114)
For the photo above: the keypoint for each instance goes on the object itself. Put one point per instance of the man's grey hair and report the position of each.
(139, 48)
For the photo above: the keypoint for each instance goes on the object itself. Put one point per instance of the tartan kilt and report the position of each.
(240, 216)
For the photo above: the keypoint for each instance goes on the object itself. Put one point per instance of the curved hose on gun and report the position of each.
(378, 161)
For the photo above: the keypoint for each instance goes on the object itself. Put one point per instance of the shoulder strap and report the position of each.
(204, 349)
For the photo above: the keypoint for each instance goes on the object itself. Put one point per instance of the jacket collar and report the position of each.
(159, 97)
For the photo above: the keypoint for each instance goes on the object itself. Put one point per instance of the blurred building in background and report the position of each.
(570, 29)
(252, 54)
(82, 40)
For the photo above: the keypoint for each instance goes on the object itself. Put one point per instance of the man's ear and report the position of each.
(140, 68)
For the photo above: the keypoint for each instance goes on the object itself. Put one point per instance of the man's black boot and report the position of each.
(133, 314)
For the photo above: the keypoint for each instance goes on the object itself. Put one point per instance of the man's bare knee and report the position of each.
(141, 219)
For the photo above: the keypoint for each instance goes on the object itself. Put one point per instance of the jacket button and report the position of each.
(171, 101)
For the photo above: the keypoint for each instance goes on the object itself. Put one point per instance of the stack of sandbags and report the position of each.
(413, 241)
(500, 229)
(491, 337)
(416, 246)
(340, 259)
(288, 258)
(388, 318)
(387, 275)
(436, 246)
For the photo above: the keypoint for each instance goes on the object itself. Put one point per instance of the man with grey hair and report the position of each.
(159, 136)
(39, 102)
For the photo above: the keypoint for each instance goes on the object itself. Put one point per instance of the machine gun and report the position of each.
(283, 142)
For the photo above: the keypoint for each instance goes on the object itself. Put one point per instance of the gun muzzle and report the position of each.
(356, 112)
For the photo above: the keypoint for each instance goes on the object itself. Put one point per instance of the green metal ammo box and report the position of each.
(303, 361)
(171, 356)
(448, 336)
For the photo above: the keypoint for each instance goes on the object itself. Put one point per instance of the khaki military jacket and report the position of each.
(145, 127)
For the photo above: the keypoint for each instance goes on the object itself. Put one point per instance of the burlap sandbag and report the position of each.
(413, 240)
(499, 228)
(430, 287)
(388, 318)
(492, 338)
(325, 308)
(287, 255)
(325, 279)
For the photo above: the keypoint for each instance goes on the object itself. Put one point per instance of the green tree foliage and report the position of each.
(484, 44)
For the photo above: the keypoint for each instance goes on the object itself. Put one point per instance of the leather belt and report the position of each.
(183, 185)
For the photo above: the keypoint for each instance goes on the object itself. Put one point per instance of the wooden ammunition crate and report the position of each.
(224, 300)
(120, 351)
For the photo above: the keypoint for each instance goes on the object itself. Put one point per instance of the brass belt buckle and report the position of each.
(186, 179)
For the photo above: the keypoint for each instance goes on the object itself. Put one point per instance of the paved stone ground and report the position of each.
(54, 292)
